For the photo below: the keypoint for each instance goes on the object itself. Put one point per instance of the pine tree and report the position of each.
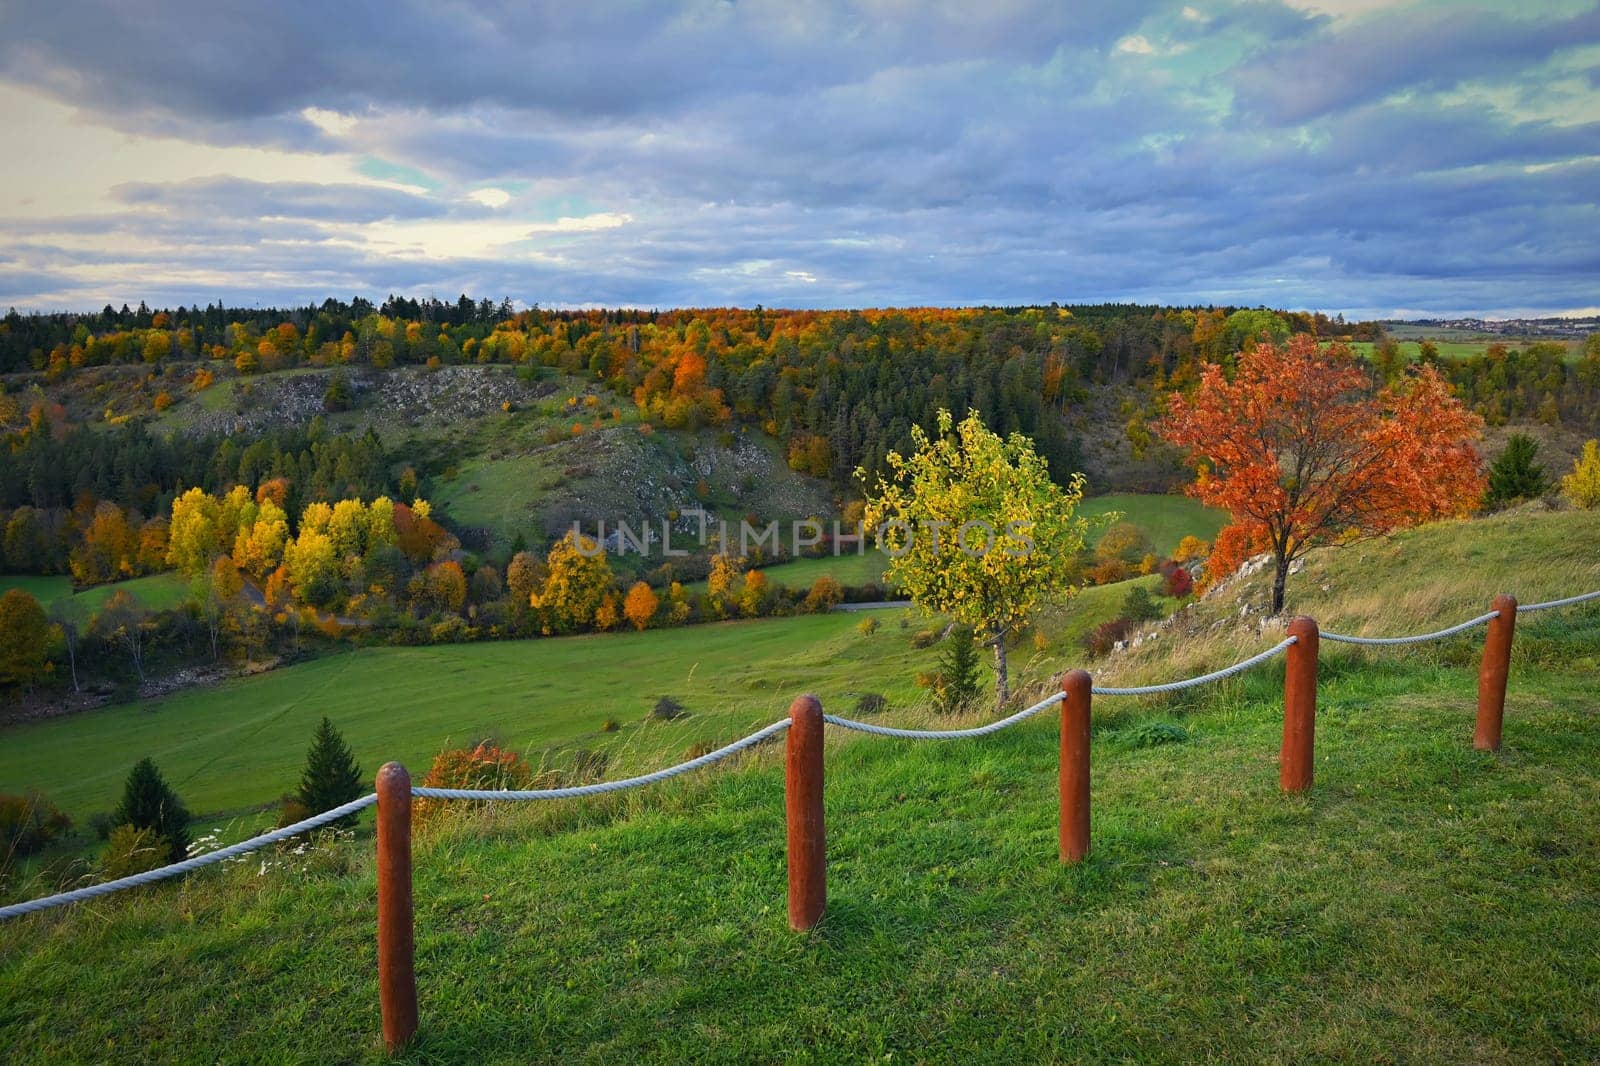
(1516, 473)
(958, 671)
(331, 776)
(149, 803)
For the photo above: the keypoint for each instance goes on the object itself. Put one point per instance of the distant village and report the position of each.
(1511, 327)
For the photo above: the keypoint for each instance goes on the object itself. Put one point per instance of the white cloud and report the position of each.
(490, 197)
(1138, 44)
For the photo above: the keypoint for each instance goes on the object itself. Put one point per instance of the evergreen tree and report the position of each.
(1516, 474)
(1137, 606)
(331, 776)
(149, 803)
(958, 672)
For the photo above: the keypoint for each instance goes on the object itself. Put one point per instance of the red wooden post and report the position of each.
(808, 872)
(397, 979)
(1492, 674)
(1075, 766)
(1299, 707)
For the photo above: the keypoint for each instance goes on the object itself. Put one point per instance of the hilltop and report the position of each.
(1422, 896)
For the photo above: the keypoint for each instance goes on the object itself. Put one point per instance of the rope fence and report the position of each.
(803, 784)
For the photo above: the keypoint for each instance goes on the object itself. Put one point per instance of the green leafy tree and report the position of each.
(332, 777)
(1516, 474)
(148, 802)
(957, 687)
(976, 529)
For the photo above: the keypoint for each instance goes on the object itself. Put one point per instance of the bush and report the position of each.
(27, 823)
(291, 810)
(1108, 573)
(1151, 735)
(666, 709)
(867, 626)
(825, 594)
(869, 703)
(1103, 638)
(610, 725)
(924, 638)
(1137, 606)
(1178, 584)
(133, 850)
(1191, 548)
(485, 765)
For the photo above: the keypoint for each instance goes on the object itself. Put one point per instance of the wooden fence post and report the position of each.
(1076, 687)
(1299, 707)
(397, 979)
(1492, 674)
(808, 871)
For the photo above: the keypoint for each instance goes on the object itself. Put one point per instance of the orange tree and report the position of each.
(1302, 449)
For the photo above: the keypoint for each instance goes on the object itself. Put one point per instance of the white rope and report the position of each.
(1559, 603)
(1418, 639)
(231, 851)
(943, 734)
(603, 786)
(1218, 675)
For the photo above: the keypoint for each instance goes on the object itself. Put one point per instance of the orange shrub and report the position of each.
(485, 766)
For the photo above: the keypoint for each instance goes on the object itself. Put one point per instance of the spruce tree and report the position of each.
(331, 776)
(149, 803)
(1516, 473)
(958, 671)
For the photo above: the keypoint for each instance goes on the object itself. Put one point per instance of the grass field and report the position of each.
(1168, 519)
(157, 592)
(1411, 350)
(1424, 902)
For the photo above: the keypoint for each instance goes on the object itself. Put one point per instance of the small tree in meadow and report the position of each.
(1582, 486)
(957, 688)
(332, 777)
(1516, 474)
(148, 802)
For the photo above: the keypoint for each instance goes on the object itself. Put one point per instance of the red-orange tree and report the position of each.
(1301, 449)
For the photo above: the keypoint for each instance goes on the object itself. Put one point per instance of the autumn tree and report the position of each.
(976, 529)
(578, 578)
(1302, 449)
(125, 622)
(640, 606)
(24, 638)
(1582, 486)
(193, 537)
(722, 584)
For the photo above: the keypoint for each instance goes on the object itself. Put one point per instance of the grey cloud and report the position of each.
(242, 198)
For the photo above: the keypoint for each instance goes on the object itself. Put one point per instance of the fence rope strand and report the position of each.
(1418, 638)
(232, 851)
(1216, 675)
(942, 734)
(1521, 608)
(603, 786)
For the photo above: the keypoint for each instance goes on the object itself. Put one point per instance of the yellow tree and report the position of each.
(723, 583)
(193, 539)
(976, 530)
(1582, 486)
(640, 606)
(578, 578)
(259, 548)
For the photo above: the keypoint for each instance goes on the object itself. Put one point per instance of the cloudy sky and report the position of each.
(1356, 155)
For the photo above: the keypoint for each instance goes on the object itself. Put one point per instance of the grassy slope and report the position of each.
(156, 591)
(1167, 519)
(1423, 902)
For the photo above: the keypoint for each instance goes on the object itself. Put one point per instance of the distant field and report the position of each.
(1168, 519)
(848, 569)
(1411, 350)
(157, 592)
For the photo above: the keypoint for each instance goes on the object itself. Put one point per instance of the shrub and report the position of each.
(1123, 542)
(1191, 548)
(162, 401)
(1137, 606)
(869, 703)
(485, 765)
(924, 638)
(825, 594)
(1040, 641)
(1108, 573)
(1103, 638)
(666, 709)
(867, 626)
(1151, 735)
(148, 803)
(27, 823)
(610, 725)
(291, 810)
(1178, 584)
(133, 850)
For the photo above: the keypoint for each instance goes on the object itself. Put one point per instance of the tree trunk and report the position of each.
(72, 659)
(1002, 691)
(1280, 577)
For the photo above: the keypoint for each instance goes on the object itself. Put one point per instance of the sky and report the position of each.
(1371, 158)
